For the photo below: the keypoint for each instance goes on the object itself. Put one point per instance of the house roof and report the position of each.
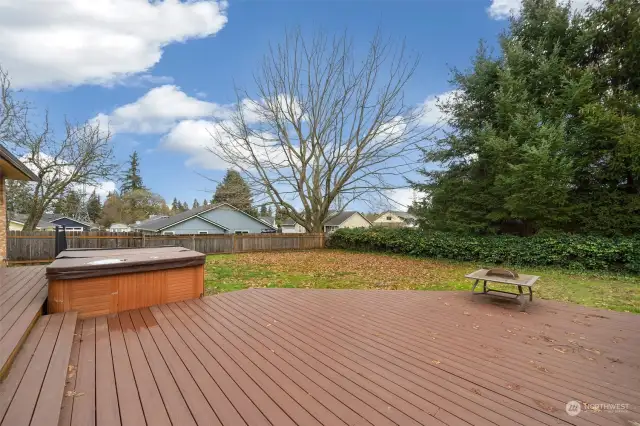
(160, 224)
(52, 217)
(268, 219)
(341, 217)
(331, 221)
(402, 215)
(14, 168)
(22, 218)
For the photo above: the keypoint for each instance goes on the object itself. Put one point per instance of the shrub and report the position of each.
(571, 251)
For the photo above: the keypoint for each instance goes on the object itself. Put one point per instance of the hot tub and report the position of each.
(102, 281)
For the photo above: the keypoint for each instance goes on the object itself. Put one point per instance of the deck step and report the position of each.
(32, 391)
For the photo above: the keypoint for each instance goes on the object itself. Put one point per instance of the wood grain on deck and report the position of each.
(353, 357)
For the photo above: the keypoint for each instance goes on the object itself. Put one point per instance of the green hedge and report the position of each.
(571, 251)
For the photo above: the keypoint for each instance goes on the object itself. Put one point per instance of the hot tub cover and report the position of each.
(76, 264)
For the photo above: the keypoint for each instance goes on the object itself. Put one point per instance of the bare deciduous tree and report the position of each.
(82, 156)
(324, 127)
(10, 108)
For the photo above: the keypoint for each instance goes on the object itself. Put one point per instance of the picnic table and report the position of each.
(520, 280)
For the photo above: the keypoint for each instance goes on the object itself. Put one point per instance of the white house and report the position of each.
(396, 219)
(289, 226)
(346, 220)
(119, 227)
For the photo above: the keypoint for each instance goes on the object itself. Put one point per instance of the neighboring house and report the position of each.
(10, 168)
(17, 221)
(220, 218)
(346, 220)
(119, 227)
(268, 219)
(69, 223)
(396, 219)
(289, 226)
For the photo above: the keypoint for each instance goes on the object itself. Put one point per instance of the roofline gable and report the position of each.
(195, 216)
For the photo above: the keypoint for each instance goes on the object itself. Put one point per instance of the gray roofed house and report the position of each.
(219, 218)
(17, 221)
(345, 219)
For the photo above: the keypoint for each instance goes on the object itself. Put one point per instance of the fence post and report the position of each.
(233, 243)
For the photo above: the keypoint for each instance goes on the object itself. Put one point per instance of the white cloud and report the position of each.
(158, 111)
(102, 189)
(503, 9)
(193, 137)
(73, 42)
(430, 109)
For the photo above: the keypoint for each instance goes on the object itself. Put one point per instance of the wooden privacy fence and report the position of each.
(39, 247)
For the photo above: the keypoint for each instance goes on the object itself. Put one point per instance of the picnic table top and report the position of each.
(523, 279)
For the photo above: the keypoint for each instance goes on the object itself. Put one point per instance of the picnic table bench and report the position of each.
(521, 280)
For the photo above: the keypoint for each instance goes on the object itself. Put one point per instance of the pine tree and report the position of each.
(195, 204)
(234, 190)
(263, 210)
(176, 207)
(205, 202)
(541, 135)
(185, 206)
(94, 207)
(270, 212)
(132, 180)
(68, 205)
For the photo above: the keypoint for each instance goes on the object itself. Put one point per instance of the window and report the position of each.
(389, 218)
(330, 228)
(168, 233)
(73, 229)
(203, 232)
(240, 232)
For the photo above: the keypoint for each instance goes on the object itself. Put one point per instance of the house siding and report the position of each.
(383, 219)
(355, 221)
(235, 220)
(193, 226)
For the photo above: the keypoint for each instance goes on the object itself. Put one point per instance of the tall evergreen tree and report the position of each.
(234, 190)
(94, 207)
(195, 204)
(545, 136)
(176, 207)
(132, 180)
(263, 210)
(184, 206)
(205, 202)
(69, 204)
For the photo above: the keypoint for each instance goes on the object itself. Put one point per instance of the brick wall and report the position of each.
(3, 221)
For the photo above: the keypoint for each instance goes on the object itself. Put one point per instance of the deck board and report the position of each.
(23, 292)
(331, 357)
(32, 392)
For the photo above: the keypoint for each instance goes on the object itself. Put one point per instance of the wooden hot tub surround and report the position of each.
(100, 282)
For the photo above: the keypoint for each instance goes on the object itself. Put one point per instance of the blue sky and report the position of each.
(192, 58)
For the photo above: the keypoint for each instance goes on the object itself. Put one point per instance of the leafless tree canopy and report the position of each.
(81, 156)
(324, 129)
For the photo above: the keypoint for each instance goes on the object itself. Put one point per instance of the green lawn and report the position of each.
(342, 269)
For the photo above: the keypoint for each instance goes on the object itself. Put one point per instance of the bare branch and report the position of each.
(324, 128)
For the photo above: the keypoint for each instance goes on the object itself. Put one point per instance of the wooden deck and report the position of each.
(337, 357)
(31, 394)
(23, 292)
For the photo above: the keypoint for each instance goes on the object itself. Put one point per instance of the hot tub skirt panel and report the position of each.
(115, 293)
